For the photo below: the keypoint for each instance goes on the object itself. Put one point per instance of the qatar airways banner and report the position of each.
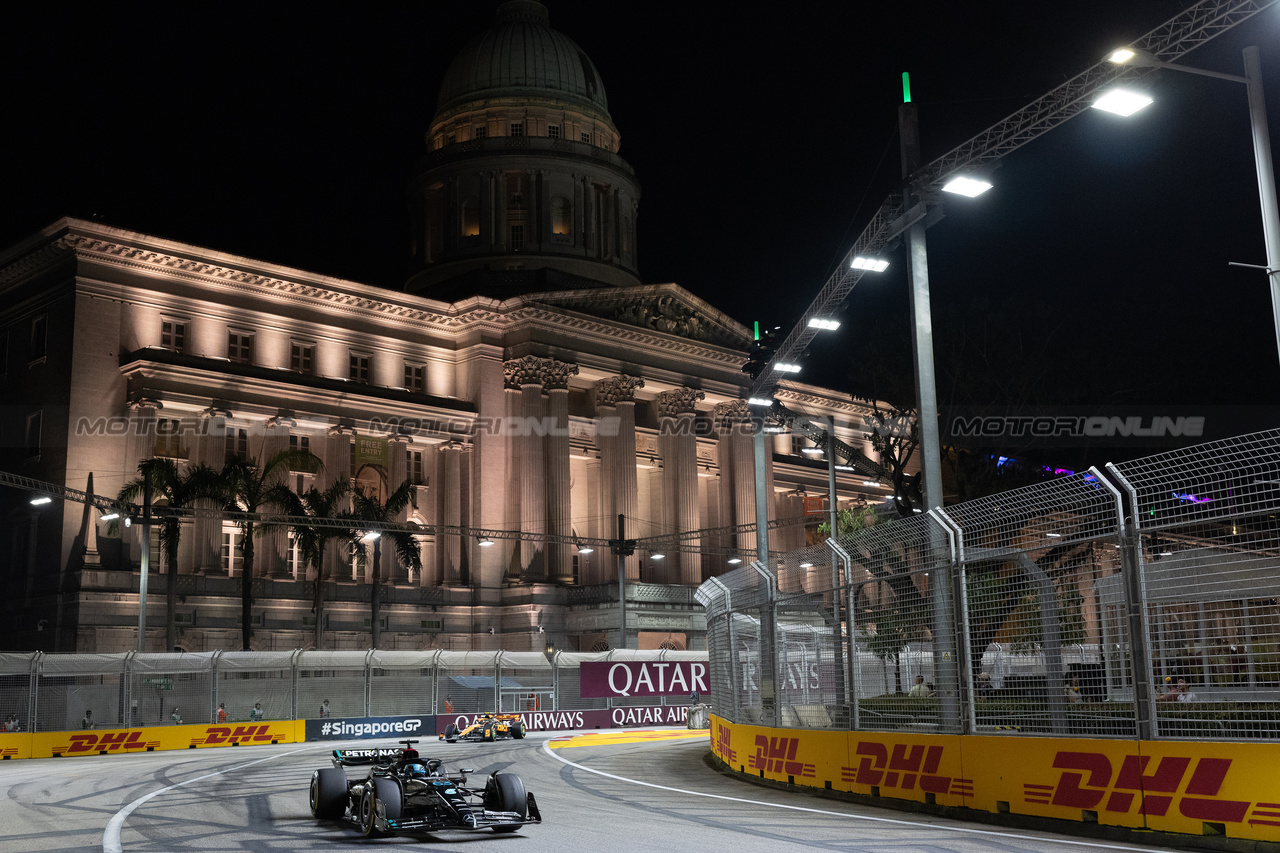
(564, 721)
(615, 679)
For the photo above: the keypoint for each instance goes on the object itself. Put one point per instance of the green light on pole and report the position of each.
(906, 88)
(757, 337)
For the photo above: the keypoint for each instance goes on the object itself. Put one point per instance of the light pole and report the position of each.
(1252, 80)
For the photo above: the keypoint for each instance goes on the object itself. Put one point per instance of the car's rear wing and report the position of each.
(358, 757)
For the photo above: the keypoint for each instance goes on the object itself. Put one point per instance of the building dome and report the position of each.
(522, 57)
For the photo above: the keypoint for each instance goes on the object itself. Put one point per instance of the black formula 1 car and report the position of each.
(487, 727)
(405, 793)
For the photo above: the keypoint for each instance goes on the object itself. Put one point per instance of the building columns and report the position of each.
(677, 412)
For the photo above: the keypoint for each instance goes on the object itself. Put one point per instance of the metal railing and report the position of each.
(1143, 602)
(53, 692)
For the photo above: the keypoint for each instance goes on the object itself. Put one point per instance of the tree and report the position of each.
(367, 506)
(313, 539)
(245, 486)
(178, 489)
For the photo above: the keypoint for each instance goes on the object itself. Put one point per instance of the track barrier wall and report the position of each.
(1102, 646)
(1190, 787)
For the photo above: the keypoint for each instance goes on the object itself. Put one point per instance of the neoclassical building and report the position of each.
(526, 381)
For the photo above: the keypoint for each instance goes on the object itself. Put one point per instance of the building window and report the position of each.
(517, 128)
(168, 439)
(553, 130)
(39, 337)
(481, 132)
(415, 378)
(240, 346)
(173, 335)
(470, 217)
(561, 216)
(450, 139)
(417, 473)
(31, 440)
(585, 137)
(517, 238)
(232, 556)
(359, 368)
(300, 442)
(302, 357)
(237, 445)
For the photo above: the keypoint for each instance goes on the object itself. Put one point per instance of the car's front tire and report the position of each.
(328, 793)
(505, 793)
(517, 730)
(368, 813)
(451, 733)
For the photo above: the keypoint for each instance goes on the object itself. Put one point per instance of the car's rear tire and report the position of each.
(451, 733)
(328, 793)
(505, 793)
(488, 732)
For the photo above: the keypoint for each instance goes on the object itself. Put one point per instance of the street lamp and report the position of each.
(1252, 80)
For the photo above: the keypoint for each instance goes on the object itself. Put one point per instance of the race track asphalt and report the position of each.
(611, 792)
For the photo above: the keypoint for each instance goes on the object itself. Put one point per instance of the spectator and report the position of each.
(694, 698)
(175, 717)
(985, 688)
(920, 690)
(932, 690)
(256, 714)
(1071, 691)
(1184, 691)
(222, 712)
(324, 708)
(1170, 693)
(448, 705)
(87, 722)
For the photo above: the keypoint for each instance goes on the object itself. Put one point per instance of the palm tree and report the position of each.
(178, 489)
(312, 539)
(368, 507)
(246, 487)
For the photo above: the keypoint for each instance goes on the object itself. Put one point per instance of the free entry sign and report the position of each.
(614, 679)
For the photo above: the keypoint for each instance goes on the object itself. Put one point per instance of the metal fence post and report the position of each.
(368, 679)
(843, 581)
(33, 705)
(770, 688)
(960, 605)
(1135, 602)
(213, 686)
(295, 664)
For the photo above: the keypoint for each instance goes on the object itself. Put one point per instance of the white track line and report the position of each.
(546, 747)
(111, 837)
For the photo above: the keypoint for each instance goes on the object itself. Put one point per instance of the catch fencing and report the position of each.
(53, 692)
(1139, 602)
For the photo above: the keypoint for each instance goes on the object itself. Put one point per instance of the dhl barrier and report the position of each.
(147, 739)
(1198, 788)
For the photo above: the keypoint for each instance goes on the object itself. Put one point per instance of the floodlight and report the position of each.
(1122, 102)
(824, 324)
(870, 264)
(759, 401)
(41, 501)
(965, 186)
(787, 367)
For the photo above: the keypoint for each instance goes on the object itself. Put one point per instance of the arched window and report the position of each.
(561, 216)
(471, 217)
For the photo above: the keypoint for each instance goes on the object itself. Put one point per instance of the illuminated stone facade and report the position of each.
(121, 346)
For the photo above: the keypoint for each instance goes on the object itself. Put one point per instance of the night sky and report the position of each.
(764, 137)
